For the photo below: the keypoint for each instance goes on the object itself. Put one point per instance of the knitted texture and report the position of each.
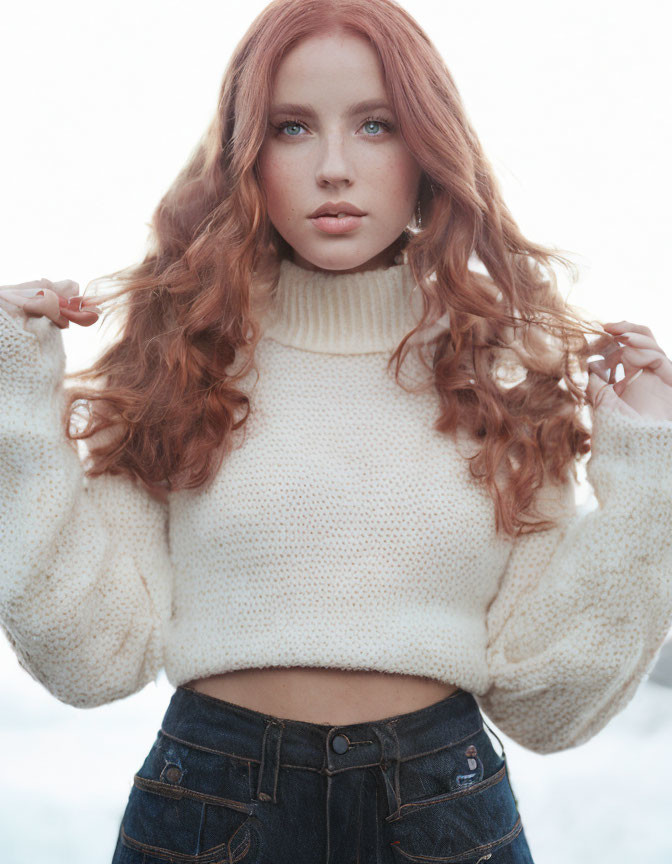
(342, 531)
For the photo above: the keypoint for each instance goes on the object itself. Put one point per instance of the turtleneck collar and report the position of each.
(343, 313)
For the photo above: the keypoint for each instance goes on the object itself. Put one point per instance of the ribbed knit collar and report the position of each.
(343, 313)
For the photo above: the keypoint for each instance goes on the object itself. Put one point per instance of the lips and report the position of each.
(331, 209)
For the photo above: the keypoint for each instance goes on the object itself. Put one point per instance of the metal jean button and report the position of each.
(340, 743)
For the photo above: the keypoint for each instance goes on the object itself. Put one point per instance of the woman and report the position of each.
(331, 565)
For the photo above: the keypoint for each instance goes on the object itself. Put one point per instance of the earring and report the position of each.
(418, 215)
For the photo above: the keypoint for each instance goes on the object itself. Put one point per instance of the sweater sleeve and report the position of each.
(582, 610)
(85, 573)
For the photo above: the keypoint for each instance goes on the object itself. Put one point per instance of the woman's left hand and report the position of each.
(646, 387)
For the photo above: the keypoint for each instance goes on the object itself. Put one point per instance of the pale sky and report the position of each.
(102, 104)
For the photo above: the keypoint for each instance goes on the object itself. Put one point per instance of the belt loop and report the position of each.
(389, 763)
(270, 761)
(496, 736)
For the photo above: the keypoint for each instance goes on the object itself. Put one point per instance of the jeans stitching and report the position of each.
(509, 837)
(178, 792)
(205, 749)
(448, 796)
(209, 857)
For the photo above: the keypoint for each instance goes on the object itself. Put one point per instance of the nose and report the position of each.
(333, 163)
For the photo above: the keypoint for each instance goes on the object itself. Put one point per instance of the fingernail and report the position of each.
(634, 377)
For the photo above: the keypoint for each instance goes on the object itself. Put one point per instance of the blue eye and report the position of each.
(377, 123)
(287, 124)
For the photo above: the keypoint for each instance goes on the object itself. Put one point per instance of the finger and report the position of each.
(45, 303)
(633, 359)
(594, 387)
(623, 384)
(647, 358)
(30, 287)
(599, 368)
(85, 318)
(49, 304)
(627, 326)
(607, 360)
(606, 366)
(78, 303)
(66, 288)
(18, 294)
(602, 394)
(639, 340)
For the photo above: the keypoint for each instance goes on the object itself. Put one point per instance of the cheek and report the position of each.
(277, 168)
(398, 179)
(280, 179)
(408, 175)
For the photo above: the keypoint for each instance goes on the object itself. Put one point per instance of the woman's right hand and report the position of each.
(58, 301)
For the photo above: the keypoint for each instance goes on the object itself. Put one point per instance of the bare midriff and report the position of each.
(317, 695)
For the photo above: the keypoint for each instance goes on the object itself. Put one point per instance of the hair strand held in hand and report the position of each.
(508, 370)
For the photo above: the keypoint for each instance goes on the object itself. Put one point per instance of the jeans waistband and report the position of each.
(208, 723)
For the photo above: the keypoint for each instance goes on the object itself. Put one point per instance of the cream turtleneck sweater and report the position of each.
(342, 531)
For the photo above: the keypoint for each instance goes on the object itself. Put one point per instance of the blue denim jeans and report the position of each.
(223, 783)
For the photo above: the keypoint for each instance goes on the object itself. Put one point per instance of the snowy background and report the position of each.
(67, 774)
(102, 104)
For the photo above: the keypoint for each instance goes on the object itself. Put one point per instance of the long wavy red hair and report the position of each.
(508, 369)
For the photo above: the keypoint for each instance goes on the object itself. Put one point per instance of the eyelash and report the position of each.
(382, 122)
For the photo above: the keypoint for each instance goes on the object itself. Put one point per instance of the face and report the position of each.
(325, 151)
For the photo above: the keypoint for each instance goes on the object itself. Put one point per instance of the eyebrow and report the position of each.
(307, 110)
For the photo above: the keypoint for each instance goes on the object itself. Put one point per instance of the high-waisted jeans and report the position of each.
(223, 783)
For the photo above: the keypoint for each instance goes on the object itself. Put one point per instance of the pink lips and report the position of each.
(329, 208)
(336, 225)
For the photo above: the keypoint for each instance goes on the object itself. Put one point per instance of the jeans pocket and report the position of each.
(454, 805)
(452, 768)
(189, 805)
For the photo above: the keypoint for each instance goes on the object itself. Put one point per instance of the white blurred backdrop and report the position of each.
(102, 104)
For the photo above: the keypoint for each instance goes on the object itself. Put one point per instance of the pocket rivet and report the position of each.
(173, 774)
